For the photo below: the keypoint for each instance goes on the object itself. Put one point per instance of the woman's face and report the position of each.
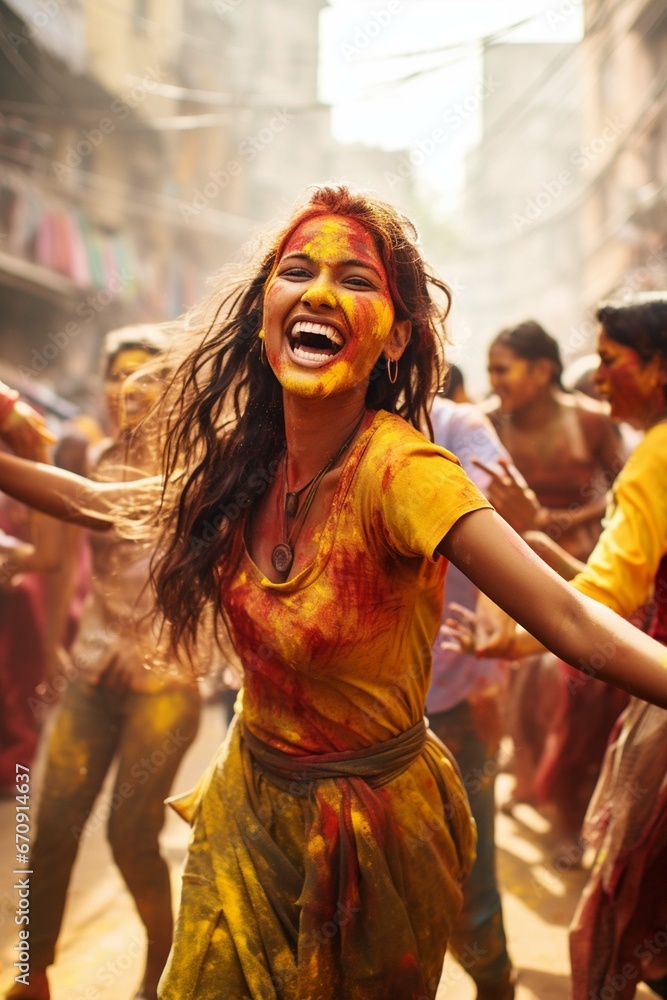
(328, 312)
(512, 378)
(129, 399)
(632, 386)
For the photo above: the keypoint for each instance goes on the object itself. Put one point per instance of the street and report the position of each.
(101, 946)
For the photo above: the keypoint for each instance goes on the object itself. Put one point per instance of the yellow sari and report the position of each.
(307, 884)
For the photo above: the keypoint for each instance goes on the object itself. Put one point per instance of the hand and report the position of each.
(26, 433)
(495, 631)
(12, 553)
(514, 501)
(565, 564)
(11, 547)
(457, 633)
(486, 632)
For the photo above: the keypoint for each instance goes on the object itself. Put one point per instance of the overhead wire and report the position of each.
(495, 136)
(606, 232)
(550, 70)
(192, 121)
(658, 90)
(234, 102)
(465, 49)
(483, 42)
(468, 43)
(520, 105)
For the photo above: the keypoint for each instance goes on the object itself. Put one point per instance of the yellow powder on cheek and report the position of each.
(369, 318)
(384, 316)
(339, 375)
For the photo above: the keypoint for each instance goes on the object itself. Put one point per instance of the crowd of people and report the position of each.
(287, 483)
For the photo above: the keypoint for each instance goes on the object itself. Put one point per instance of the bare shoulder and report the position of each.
(600, 431)
(490, 408)
(584, 404)
(593, 414)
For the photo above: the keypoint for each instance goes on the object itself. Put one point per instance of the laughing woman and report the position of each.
(331, 833)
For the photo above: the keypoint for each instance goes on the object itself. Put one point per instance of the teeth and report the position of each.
(330, 332)
(304, 355)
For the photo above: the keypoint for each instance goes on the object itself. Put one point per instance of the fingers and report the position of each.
(26, 433)
(501, 476)
(9, 544)
(485, 468)
(35, 423)
(458, 642)
(457, 636)
(45, 435)
(462, 613)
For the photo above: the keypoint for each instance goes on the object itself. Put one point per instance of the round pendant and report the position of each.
(282, 558)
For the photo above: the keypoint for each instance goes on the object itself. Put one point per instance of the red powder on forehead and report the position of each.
(383, 247)
(352, 227)
(308, 214)
(334, 230)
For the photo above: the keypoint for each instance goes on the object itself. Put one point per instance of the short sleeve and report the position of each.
(421, 491)
(622, 567)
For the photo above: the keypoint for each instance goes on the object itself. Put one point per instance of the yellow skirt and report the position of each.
(345, 893)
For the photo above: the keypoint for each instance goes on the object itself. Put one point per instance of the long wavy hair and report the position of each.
(224, 410)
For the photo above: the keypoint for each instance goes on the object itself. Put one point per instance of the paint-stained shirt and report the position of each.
(622, 568)
(339, 657)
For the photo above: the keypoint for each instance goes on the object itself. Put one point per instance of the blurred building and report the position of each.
(520, 224)
(140, 148)
(274, 137)
(625, 106)
(84, 246)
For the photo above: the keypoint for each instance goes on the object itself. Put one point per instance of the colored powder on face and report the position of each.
(367, 314)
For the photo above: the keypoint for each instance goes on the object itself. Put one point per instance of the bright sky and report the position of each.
(379, 91)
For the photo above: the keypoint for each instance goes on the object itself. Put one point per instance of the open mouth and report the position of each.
(314, 343)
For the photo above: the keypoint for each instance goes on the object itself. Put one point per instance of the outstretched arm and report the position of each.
(62, 494)
(576, 628)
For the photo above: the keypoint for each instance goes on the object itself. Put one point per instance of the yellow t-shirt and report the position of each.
(339, 657)
(622, 567)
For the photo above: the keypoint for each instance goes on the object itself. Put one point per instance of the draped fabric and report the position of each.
(350, 890)
(349, 893)
(621, 921)
(584, 713)
(619, 932)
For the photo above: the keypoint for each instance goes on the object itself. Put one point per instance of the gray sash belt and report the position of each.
(376, 764)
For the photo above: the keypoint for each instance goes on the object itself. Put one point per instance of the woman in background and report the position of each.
(114, 708)
(569, 452)
(618, 934)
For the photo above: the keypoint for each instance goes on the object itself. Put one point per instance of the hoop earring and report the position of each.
(262, 353)
(389, 363)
